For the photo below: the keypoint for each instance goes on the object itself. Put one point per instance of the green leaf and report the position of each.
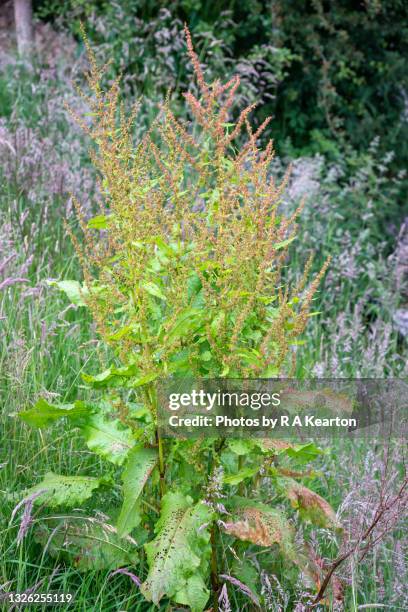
(303, 452)
(108, 438)
(139, 466)
(178, 556)
(283, 244)
(154, 290)
(234, 479)
(43, 413)
(240, 446)
(112, 377)
(88, 543)
(64, 490)
(187, 321)
(143, 380)
(74, 291)
(99, 222)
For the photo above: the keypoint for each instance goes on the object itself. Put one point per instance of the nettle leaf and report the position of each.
(108, 438)
(178, 556)
(261, 525)
(140, 464)
(311, 506)
(64, 490)
(89, 544)
(43, 413)
(74, 291)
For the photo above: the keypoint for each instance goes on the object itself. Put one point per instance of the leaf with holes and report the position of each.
(64, 490)
(258, 523)
(178, 556)
(139, 466)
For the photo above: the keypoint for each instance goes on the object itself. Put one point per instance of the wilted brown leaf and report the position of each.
(311, 505)
(263, 526)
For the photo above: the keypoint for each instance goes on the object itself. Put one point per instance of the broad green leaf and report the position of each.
(311, 506)
(74, 291)
(108, 438)
(139, 466)
(241, 446)
(234, 479)
(178, 556)
(64, 490)
(154, 290)
(44, 413)
(111, 377)
(187, 321)
(88, 543)
(144, 380)
(194, 594)
(303, 453)
(250, 357)
(258, 523)
(99, 222)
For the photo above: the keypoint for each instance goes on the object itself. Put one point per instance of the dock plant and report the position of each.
(184, 273)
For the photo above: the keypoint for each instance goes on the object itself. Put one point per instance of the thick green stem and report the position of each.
(162, 468)
(151, 396)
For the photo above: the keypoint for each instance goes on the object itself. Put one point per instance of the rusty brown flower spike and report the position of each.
(186, 274)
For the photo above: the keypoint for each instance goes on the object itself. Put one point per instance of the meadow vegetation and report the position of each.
(123, 325)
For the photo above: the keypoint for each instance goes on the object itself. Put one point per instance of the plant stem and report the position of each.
(214, 568)
(151, 396)
(161, 464)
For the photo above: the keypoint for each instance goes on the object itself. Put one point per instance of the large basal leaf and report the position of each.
(108, 438)
(87, 543)
(311, 506)
(43, 413)
(140, 464)
(178, 556)
(258, 523)
(60, 490)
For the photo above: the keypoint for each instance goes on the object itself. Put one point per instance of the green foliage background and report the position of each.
(324, 70)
